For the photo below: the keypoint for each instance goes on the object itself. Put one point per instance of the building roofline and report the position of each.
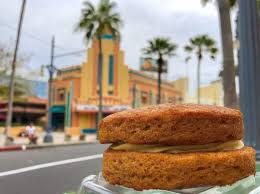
(70, 68)
(136, 72)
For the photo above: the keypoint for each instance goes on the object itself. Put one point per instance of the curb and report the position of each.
(10, 148)
(47, 145)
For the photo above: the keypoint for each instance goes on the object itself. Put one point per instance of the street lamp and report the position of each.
(51, 69)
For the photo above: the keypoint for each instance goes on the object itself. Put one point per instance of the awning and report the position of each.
(58, 109)
(88, 131)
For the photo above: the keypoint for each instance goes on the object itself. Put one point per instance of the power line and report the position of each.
(70, 53)
(32, 36)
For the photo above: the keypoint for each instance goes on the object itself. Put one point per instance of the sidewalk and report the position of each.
(22, 143)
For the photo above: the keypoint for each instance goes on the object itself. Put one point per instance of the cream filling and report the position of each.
(226, 146)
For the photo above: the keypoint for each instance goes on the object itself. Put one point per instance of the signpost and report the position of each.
(150, 65)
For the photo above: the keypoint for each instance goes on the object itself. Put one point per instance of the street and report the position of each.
(51, 177)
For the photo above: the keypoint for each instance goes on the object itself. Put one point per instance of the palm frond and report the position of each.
(213, 50)
(202, 44)
(161, 46)
(187, 59)
(205, 2)
(188, 48)
(232, 3)
(89, 6)
(94, 22)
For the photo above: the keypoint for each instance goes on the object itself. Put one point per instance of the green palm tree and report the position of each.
(229, 86)
(199, 46)
(94, 21)
(162, 47)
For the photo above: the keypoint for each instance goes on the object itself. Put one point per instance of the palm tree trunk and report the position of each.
(12, 78)
(229, 86)
(134, 95)
(100, 84)
(160, 64)
(198, 80)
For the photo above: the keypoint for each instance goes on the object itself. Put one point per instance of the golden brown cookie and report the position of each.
(170, 124)
(170, 171)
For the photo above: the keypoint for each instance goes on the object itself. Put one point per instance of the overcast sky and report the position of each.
(143, 20)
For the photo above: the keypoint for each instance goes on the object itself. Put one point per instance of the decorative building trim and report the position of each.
(134, 72)
(94, 108)
(107, 36)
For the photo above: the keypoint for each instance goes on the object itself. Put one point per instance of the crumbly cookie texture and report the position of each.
(170, 124)
(175, 171)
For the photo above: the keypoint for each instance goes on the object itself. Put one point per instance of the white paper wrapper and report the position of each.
(95, 184)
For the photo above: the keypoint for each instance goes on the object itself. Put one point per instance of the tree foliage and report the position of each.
(6, 57)
(160, 46)
(20, 90)
(232, 3)
(200, 45)
(95, 20)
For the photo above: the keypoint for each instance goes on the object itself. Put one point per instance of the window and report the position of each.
(111, 70)
(100, 63)
(144, 97)
(110, 93)
(61, 94)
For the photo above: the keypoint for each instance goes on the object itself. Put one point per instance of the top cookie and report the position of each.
(169, 124)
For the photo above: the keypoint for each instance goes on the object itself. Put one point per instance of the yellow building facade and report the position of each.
(75, 90)
(182, 85)
(212, 93)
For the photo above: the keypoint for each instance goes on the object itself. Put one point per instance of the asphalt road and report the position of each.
(49, 180)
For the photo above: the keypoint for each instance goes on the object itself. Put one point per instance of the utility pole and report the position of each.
(12, 78)
(51, 69)
(249, 70)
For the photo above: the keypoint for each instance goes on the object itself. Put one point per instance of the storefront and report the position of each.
(58, 117)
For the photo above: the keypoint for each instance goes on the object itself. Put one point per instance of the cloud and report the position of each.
(143, 20)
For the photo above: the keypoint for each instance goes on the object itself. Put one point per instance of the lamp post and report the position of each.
(249, 70)
(51, 69)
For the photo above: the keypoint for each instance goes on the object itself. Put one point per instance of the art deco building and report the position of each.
(75, 90)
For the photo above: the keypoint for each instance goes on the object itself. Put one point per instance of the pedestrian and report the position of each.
(31, 132)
